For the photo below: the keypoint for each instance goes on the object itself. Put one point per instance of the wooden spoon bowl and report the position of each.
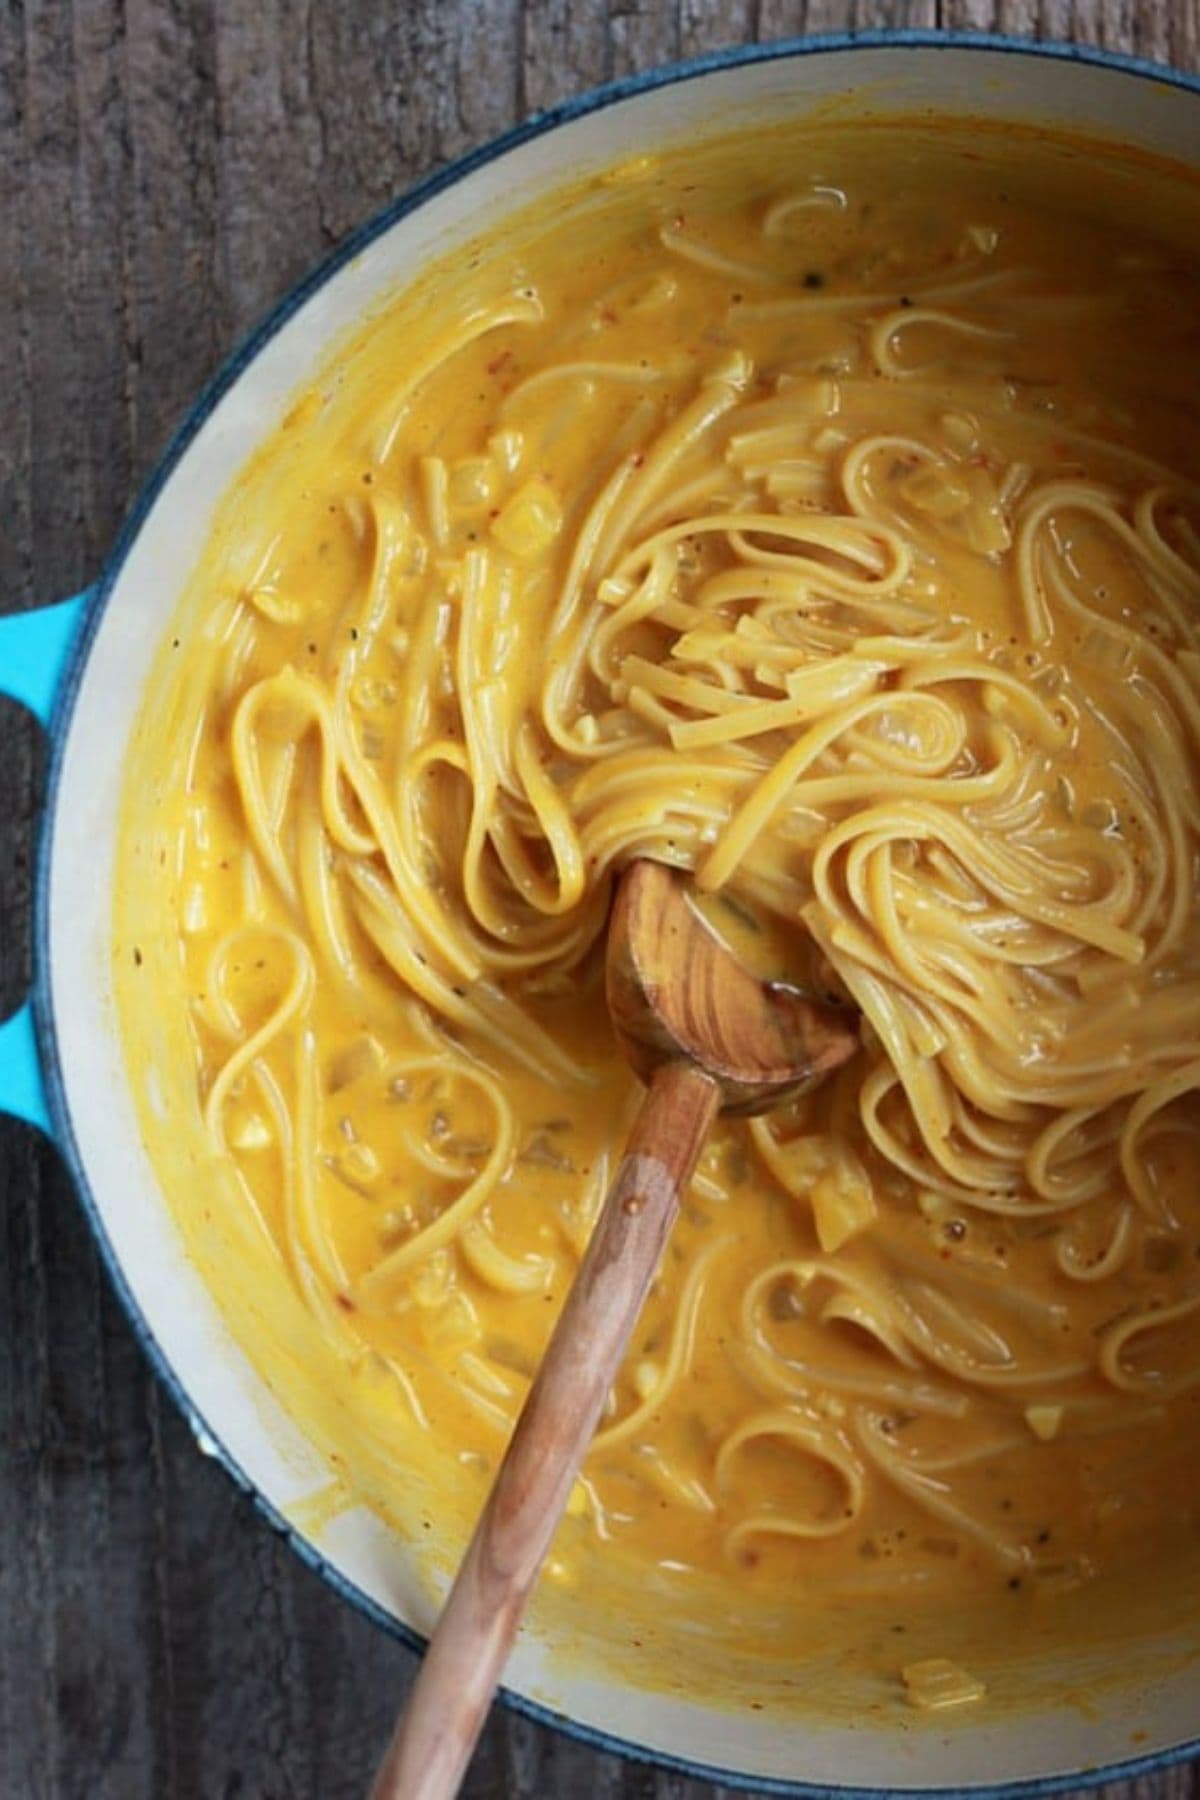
(677, 995)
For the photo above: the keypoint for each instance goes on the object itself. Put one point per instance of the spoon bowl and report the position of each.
(677, 994)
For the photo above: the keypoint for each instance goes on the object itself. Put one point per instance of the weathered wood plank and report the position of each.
(167, 169)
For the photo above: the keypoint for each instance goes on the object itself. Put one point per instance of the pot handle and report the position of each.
(34, 647)
(22, 1087)
(34, 651)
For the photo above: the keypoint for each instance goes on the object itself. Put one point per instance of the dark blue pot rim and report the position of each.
(594, 100)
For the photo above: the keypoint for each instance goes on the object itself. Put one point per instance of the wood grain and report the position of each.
(676, 992)
(167, 169)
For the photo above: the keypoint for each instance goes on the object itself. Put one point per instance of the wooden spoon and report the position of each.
(705, 1035)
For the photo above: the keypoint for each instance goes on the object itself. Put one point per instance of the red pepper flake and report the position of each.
(498, 362)
(345, 1302)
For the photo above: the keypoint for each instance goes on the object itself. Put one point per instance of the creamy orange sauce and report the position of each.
(869, 1486)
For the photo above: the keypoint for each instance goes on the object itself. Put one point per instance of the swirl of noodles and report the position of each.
(316, 1263)
(522, 307)
(1174, 582)
(504, 1273)
(850, 1298)
(297, 705)
(679, 1353)
(1069, 1162)
(827, 1449)
(1152, 1101)
(929, 1489)
(933, 752)
(375, 1287)
(292, 1005)
(885, 331)
(1127, 1336)
(1104, 1262)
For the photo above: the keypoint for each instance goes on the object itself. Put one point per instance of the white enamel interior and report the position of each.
(219, 1383)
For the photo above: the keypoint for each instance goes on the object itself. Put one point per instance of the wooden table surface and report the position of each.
(167, 169)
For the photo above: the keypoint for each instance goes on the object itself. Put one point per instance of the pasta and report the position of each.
(840, 548)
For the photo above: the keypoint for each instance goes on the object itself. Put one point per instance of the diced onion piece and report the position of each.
(1105, 652)
(646, 1377)
(530, 521)
(432, 1281)
(801, 1161)
(361, 1057)
(371, 694)
(507, 447)
(280, 609)
(987, 528)
(359, 1164)
(453, 1325)
(984, 238)
(842, 1203)
(735, 367)
(960, 431)
(937, 1682)
(937, 491)
(472, 484)
(195, 910)
(1044, 1421)
(252, 1134)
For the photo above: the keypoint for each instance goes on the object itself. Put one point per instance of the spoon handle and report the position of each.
(433, 1741)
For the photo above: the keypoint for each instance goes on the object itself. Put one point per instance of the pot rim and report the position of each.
(95, 601)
